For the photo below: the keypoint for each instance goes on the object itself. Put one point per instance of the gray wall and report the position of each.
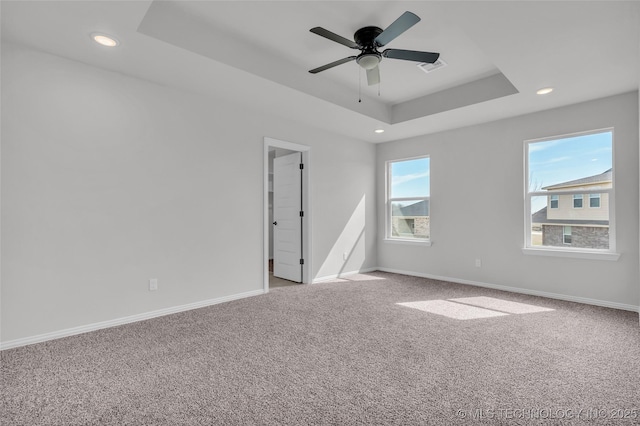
(477, 207)
(109, 180)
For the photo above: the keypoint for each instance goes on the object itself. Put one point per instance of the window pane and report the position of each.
(571, 164)
(410, 219)
(579, 228)
(577, 201)
(558, 162)
(409, 178)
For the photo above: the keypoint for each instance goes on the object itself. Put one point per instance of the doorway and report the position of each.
(287, 216)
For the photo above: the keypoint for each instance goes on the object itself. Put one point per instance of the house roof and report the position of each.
(421, 208)
(602, 177)
(541, 217)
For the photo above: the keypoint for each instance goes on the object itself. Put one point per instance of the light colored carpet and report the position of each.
(338, 353)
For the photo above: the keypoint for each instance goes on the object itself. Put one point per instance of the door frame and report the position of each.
(306, 206)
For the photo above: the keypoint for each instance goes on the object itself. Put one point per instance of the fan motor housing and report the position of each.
(365, 38)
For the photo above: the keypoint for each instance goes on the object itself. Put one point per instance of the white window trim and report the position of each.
(424, 243)
(557, 200)
(571, 252)
(599, 200)
(387, 220)
(575, 254)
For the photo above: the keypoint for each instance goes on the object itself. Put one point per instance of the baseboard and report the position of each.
(585, 300)
(124, 320)
(201, 304)
(318, 280)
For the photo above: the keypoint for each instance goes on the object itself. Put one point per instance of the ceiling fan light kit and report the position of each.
(368, 40)
(368, 60)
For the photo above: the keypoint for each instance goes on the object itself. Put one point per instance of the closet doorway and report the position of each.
(287, 214)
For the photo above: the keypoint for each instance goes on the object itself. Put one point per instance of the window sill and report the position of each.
(423, 243)
(575, 254)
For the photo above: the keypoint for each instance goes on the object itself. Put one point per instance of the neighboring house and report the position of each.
(577, 220)
(410, 221)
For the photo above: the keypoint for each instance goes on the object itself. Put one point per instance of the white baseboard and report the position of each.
(175, 309)
(318, 280)
(596, 302)
(124, 320)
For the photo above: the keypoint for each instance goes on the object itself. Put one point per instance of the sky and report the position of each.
(410, 178)
(562, 160)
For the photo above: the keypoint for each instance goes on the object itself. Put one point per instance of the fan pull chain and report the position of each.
(359, 85)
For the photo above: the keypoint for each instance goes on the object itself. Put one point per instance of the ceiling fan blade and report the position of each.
(334, 37)
(400, 25)
(332, 64)
(373, 76)
(411, 55)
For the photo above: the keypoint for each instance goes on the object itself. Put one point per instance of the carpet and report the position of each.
(345, 352)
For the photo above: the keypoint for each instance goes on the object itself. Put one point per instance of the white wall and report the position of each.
(109, 180)
(477, 207)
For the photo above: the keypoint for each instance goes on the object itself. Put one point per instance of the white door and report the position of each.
(287, 228)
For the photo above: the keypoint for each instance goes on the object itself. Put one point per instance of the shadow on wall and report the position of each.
(348, 253)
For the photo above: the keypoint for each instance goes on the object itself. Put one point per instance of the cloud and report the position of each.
(557, 159)
(541, 146)
(397, 180)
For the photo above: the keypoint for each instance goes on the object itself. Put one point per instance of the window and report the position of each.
(562, 173)
(577, 201)
(408, 199)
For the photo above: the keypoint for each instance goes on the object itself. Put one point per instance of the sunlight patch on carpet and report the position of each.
(354, 277)
(452, 309)
(501, 305)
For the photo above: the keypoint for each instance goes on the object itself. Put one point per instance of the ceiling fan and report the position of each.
(369, 39)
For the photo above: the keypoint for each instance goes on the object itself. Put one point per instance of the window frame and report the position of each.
(565, 235)
(389, 201)
(553, 198)
(570, 251)
(599, 198)
(578, 197)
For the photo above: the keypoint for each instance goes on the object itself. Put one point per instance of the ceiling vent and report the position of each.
(432, 67)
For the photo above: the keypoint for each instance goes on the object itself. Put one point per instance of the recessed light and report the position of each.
(379, 130)
(544, 90)
(105, 40)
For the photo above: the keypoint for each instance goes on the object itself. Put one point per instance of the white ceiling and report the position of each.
(286, 37)
(259, 53)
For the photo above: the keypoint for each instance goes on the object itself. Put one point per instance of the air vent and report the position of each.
(432, 67)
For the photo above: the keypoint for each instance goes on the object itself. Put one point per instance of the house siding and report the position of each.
(401, 226)
(566, 210)
(581, 236)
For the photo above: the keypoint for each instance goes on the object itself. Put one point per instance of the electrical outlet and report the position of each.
(478, 263)
(345, 256)
(153, 284)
